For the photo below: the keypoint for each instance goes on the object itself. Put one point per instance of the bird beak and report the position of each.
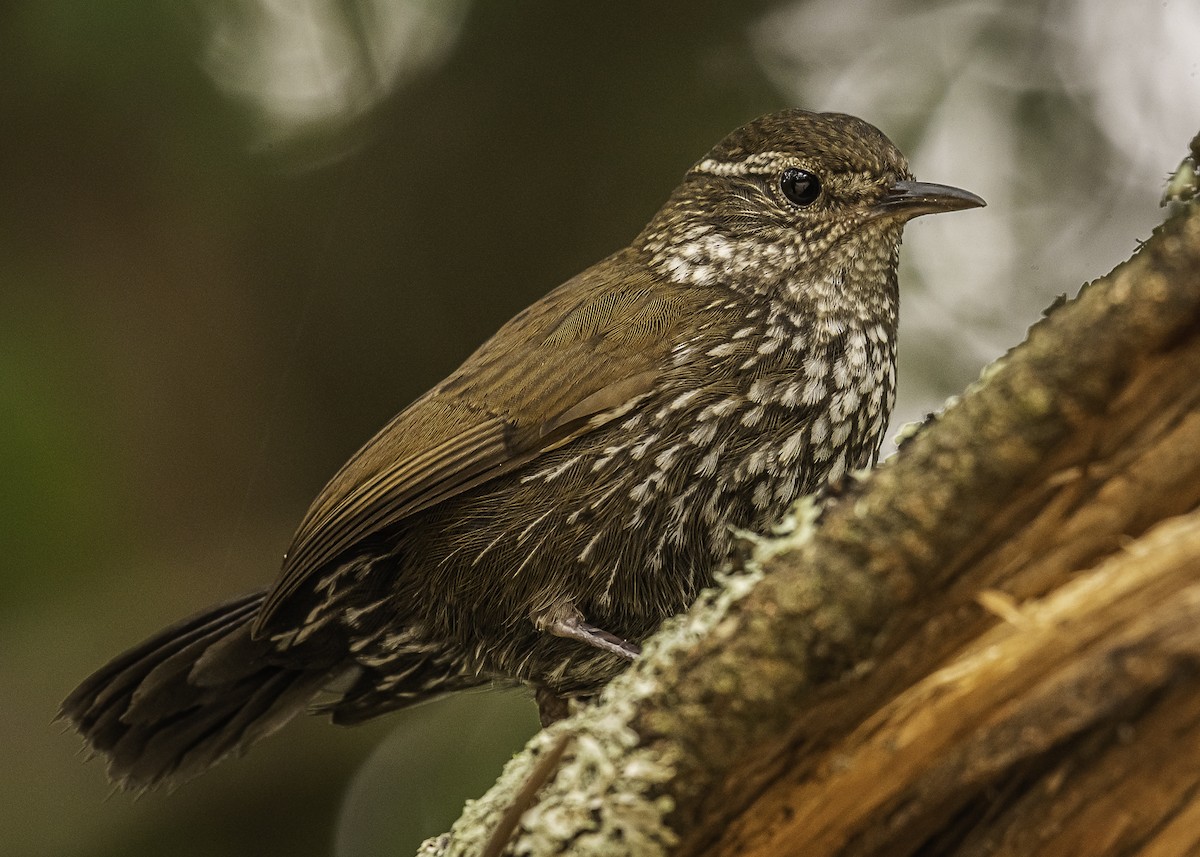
(909, 199)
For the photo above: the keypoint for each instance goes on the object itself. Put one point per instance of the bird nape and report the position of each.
(539, 512)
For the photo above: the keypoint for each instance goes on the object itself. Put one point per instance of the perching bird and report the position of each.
(539, 512)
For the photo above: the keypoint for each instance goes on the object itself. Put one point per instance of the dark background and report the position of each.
(236, 237)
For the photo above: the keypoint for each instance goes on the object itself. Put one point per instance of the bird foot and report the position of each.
(572, 626)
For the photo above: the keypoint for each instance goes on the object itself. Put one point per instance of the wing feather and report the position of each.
(544, 380)
(341, 518)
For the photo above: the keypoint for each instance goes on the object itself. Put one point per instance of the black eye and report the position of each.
(800, 187)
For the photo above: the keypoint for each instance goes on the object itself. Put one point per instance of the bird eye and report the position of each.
(799, 186)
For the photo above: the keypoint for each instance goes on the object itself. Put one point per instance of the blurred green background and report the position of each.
(237, 236)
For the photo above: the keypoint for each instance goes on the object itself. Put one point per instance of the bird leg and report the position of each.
(569, 623)
(551, 706)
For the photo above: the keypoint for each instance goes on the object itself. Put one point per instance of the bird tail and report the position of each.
(175, 705)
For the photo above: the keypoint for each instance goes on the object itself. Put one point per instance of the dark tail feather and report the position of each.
(405, 680)
(173, 706)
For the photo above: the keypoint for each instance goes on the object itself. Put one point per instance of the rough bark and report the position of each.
(988, 646)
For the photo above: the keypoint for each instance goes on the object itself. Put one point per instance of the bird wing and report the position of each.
(567, 365)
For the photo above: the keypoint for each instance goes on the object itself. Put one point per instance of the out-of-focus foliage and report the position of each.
(237, 235)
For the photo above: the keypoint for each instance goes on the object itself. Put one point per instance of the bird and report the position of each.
(536, 515)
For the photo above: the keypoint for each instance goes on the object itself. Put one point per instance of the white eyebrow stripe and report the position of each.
(757, 163)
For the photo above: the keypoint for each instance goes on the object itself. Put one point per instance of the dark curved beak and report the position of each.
(909, 199)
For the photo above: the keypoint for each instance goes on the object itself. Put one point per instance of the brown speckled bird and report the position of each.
(540, 511)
